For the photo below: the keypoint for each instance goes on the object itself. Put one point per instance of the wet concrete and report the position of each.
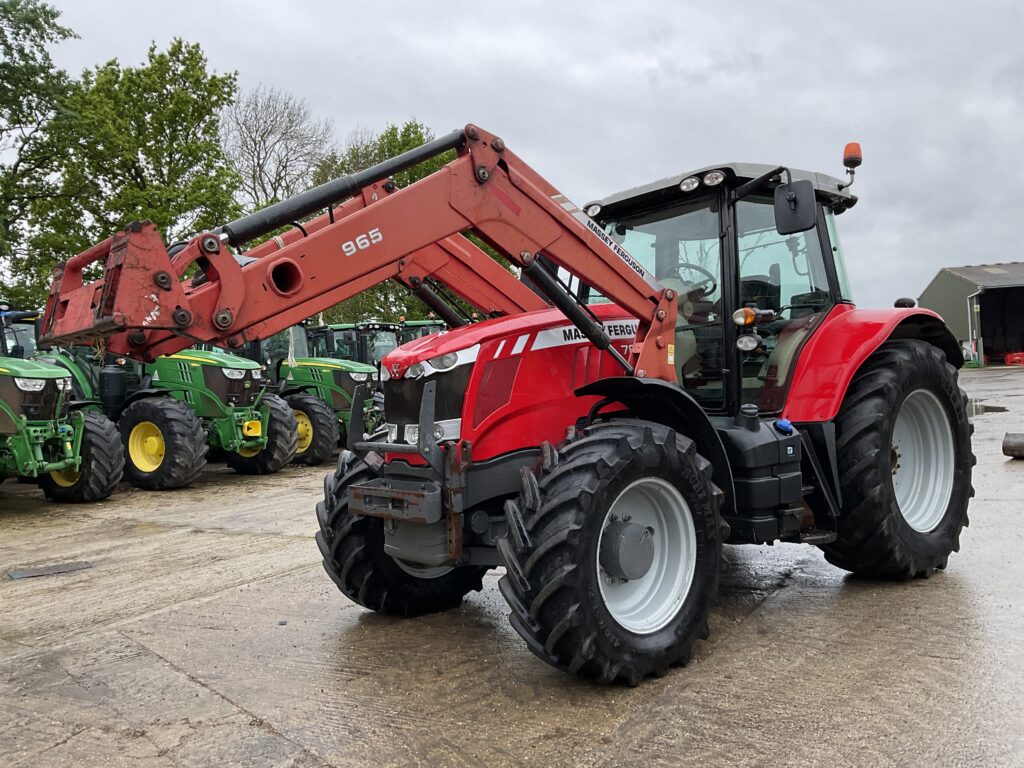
(205, 633)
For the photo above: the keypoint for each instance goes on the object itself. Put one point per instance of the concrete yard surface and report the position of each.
(197, 628)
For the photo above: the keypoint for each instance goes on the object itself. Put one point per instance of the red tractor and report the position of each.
(702, 378)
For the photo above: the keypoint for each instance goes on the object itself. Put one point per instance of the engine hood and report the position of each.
(523, 325)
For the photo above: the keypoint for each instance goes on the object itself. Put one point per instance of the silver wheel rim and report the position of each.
(423, 571)
(922, 460)
(647, 604)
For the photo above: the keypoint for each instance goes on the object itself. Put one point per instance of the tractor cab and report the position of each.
(366, 342)
(417, 329)
(17, 332)
(749, 300)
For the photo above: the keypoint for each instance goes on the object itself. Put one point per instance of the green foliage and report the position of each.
(390, 300)
(31, 90)
(135, 143)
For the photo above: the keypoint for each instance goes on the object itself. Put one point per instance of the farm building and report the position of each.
(981, 304)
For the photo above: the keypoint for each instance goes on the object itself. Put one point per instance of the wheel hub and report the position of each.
(627, 550)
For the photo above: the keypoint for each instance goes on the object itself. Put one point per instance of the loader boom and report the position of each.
(143, 306)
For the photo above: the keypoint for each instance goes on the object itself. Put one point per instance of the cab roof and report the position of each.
(827, 187)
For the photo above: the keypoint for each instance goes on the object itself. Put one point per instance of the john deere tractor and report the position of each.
(74, 455)
(366, 342)
(171, 412)
(410, 330)
(317, 388)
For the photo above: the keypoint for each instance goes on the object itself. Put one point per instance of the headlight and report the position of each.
(358, 376)
(234, 373)
(384, 375)
(64, 384)
(414, 371)
(444, 362)
(392, 433)
(593, 210)
(689, 184)
(256, 373)
(714, 178)
(29, 385)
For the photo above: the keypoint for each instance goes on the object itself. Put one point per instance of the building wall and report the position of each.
(947, 294)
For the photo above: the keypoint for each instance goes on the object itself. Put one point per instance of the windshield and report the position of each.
(380, 343)
(410, 333)
(681, 245)
(20, 340)
(288, 343)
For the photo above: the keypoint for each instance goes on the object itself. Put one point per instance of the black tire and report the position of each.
(323, 438)
(552, 582)
(183, 438)
(875, 538)
(102, 464)
(353, 550)
(282, 440)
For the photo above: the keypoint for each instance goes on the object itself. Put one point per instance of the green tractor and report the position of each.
(318, 388)
(73, 454)
(172, 411)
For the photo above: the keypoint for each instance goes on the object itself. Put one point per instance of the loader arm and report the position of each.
(144, 308)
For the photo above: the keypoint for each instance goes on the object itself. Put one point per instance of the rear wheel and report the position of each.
(101, 468)
(282, 440)
(613, 552)
(317, 429)
(904, 446)
(354, 556)
(164, 443)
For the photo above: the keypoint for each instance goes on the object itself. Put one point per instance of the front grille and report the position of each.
(34, 406)
(240, 393)
(402, 397)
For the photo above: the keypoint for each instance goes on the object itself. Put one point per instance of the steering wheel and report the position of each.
(709, 278)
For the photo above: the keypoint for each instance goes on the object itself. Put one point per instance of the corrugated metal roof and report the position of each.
(992, 275)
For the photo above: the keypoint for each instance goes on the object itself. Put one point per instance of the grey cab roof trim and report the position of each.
(825, 185)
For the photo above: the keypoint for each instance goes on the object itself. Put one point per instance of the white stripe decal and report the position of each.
(617, 330)
(501, 346)
(520, 344)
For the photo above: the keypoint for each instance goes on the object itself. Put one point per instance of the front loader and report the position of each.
(704, 377)
(73, 455)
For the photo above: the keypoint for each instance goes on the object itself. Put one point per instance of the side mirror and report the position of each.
(18, 351)
(796, 210)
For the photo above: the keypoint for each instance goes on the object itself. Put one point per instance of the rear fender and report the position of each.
(665, 403)
(846, 339)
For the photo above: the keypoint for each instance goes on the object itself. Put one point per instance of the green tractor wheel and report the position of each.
(101, 469)
(318, 429)
(282, 442)
(165, 446)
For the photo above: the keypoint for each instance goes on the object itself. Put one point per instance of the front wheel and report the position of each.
(613, 552)
(904, 445)
(317, 429)
(353, 550)
(101, 468)
(282, 440)
(164, 443)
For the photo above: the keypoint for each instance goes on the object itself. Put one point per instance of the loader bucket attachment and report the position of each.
(137, 288)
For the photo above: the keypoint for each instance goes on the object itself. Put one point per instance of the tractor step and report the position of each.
(817, 537)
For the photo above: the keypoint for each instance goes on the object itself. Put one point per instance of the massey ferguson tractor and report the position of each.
(702, 378)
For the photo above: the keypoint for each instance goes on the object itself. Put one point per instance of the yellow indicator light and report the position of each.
(252, 429)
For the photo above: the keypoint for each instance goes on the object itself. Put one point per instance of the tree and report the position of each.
(390, 300)
(135, 143)
(274, 143)
(31, 89)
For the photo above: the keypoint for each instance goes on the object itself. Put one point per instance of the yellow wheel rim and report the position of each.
(146, 446)
(305, 431)
(66, 478)
(248, 453)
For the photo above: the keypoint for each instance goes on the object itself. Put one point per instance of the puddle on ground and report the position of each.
(980, 408)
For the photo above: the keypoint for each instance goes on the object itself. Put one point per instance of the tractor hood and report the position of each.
(30, 369)
(519, 328)
(333, 363)
(214, 357)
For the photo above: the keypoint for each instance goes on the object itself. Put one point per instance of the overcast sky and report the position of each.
(601, 96)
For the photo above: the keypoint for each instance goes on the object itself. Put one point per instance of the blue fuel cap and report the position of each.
(784, 426)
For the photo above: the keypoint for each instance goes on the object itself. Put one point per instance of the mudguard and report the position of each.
(847, 337)
(665, 403)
